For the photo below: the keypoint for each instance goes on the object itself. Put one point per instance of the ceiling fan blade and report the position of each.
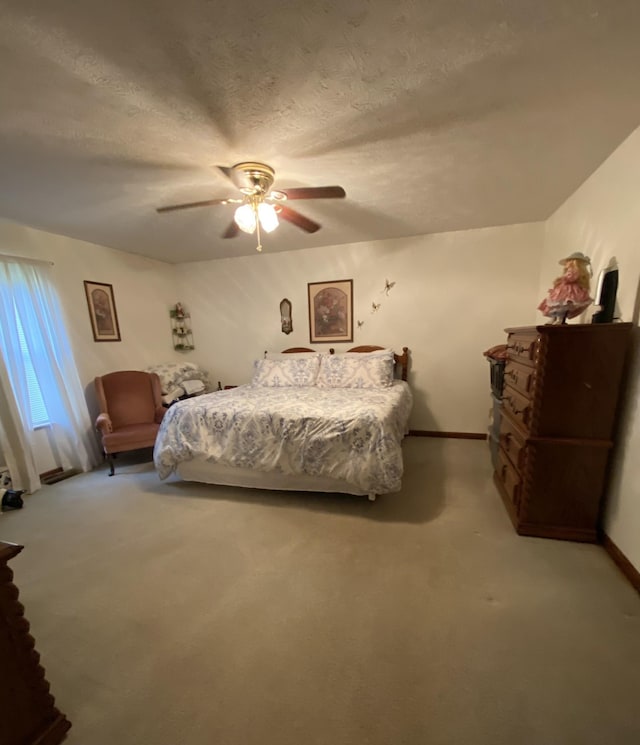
(206, 202)
(231, 231)
(226, 172)
(315, 192)
(286, 213)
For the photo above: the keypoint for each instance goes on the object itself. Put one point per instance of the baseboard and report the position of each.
(454, 435)
(51, 473)
(621, 561)
(58, 474)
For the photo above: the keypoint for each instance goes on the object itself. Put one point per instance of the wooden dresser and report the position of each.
(559, 405)
(28, 715)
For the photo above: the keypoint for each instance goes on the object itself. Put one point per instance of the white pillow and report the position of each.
(292, 370)
(357, 370)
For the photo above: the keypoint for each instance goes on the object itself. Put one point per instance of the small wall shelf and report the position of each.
(181, 329)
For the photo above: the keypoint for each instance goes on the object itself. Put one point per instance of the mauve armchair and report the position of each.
(130, 411)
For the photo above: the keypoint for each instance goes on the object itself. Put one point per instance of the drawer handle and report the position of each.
(505, 439)
(521, 348)
(513, 406)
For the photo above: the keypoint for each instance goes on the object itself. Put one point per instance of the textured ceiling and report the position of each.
(433, 115)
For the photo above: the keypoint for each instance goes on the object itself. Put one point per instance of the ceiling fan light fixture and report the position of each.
(268, 217)
(260, 206)
(245, 218)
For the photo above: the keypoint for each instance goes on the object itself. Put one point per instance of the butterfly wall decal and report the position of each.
(360, 324)
(388, 286)
(375, 307)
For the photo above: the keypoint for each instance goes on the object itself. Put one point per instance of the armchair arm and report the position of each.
(103, 424)
(160, 412)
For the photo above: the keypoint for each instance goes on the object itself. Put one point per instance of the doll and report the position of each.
(569, 295)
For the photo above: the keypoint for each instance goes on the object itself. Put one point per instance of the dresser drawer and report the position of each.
(509, 477)
(512, 443)
(519, 377)
(517, 405)
(522, 347)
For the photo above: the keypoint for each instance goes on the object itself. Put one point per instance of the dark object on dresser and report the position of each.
(606, 294)
(497, 357)
(28, 715)
(562, 384)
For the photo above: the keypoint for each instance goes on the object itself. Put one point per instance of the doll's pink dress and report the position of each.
(566, 299)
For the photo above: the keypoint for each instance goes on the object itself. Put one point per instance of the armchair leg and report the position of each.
(111, 464)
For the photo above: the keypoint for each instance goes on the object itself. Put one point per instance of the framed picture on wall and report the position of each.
(102, 311)
(330, 311)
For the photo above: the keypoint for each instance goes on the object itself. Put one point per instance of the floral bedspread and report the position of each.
(344, 433)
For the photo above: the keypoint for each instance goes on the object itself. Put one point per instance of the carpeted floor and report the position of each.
(184, 614)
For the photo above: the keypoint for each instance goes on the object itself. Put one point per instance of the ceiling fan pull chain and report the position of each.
(259, 246)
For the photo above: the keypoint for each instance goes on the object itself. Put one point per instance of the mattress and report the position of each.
(346, 435)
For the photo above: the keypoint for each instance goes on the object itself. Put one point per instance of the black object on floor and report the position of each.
(12, 500)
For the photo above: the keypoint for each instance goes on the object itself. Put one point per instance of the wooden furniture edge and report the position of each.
(572, 441)
(399, 359)
(9, 550)
(621, 561)
(19, 628)
(506, 500)
(540, 530)
(55, 732)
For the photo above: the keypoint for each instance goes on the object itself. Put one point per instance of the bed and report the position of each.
(306, 422)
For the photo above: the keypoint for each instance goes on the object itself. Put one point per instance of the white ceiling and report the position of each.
(434, 115)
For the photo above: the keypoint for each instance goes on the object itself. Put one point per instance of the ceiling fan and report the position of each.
(259, 204)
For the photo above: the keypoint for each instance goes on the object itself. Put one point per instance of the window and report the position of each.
(37, 409)
(39, 379)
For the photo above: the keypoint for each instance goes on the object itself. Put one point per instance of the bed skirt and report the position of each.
(214, 473)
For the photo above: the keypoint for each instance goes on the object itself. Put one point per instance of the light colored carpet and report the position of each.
(185, 614)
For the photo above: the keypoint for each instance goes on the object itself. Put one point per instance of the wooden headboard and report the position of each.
(401, 360)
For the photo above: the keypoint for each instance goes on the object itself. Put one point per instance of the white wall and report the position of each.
(454, 295)
(143, 289)
(602, 219)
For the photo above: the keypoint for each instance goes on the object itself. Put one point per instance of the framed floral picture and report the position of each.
(102, 311)
(330, 311)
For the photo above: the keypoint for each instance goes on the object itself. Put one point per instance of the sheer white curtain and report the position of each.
(27, 293)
